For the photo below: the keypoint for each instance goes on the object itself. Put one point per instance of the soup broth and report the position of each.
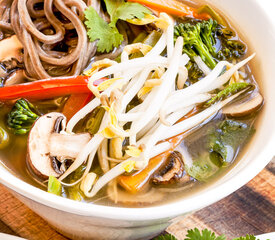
(205, 152)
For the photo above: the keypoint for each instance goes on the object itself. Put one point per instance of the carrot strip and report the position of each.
(137, 181)
(173, 7)
(74, 103)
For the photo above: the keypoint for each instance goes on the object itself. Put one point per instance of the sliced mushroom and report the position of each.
(11, 72)
(11, 57)
(15, 77)
(67, 146)
(172, 171)
(10, 48)
(49, 146)
(245, 106)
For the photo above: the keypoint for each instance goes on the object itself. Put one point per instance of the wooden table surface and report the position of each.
(251, 210)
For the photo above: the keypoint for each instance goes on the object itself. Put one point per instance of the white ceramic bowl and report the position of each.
(88, 221)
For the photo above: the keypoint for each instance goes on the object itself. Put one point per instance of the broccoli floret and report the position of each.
(196, 40)
(200, 39)
(21, 117)
(208, 29)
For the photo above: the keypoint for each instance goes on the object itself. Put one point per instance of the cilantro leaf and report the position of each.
(166, 236)
(119, 9)
(194, 234)
(219, 143)
(247, 237)
(108, 36)
(202, 168)
(226, 140)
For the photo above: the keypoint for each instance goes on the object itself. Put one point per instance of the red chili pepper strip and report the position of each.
(74, 103)
(49, 88)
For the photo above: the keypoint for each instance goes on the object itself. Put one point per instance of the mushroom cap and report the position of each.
(244, 107)
(172, 171)
(38, 145)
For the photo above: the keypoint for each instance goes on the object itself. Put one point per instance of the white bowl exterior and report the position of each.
(82, 227)
(88, 220)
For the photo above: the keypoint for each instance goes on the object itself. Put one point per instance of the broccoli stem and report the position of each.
(206, 56)
(198, 40)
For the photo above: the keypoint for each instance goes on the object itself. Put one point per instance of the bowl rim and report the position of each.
(165, 211)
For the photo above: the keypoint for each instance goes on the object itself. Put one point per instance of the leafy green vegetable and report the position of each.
(221, 143)
(119, 9)
(166, 236)
(196, 40)
(93, 124)
(229, 90)
(194, 234)
(74, 192)
(21, 117)
(247, 237)
(203, 167)
(230, 47)
(226, 140)
(54, 186)
(108, 35)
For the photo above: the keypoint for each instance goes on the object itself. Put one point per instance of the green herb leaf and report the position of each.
(247, 237)
(166, 236)
(228, 137)
(229, 90)
(206, 234)
(220, 143)
(120, 9)
(74, 192)
(54, 186)
(108, 37)
(202, 168)
(195, 234)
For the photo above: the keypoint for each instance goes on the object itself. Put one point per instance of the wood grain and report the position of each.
(251, 210)
(22, 221)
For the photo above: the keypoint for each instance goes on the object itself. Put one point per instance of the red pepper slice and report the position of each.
(74, 103)
(49, 88)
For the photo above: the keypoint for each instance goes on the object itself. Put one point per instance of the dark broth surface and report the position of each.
(14, 156)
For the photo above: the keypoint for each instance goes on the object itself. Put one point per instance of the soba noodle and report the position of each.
(52, 33)
(5, 25)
